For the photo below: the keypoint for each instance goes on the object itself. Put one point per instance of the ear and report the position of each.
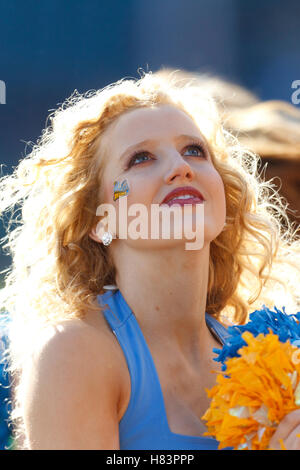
(97, 231)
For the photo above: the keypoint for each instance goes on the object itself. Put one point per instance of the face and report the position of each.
(157, 150)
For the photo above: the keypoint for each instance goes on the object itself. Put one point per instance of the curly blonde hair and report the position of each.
(58, 270)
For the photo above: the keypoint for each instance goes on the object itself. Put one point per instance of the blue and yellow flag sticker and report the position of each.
(120, 189)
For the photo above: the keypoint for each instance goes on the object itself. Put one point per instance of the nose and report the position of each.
(180, 170)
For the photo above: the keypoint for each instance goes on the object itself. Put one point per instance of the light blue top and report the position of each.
(144, 425)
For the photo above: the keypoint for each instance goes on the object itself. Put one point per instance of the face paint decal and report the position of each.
(120, 189)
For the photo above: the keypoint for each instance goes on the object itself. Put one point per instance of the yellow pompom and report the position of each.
(254, 393)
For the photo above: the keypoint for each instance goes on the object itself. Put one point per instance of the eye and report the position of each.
(138, 157)
(195, 150)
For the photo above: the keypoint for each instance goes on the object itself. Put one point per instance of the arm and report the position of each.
(71, 393)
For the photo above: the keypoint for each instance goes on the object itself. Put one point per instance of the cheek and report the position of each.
(106, 187)
(220, 186)
(109, 192)
(141, 190)
(217, 191)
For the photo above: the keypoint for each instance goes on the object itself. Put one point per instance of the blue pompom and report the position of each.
(287, 327)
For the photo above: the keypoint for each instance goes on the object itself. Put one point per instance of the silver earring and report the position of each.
(110, 287)
(106, 238)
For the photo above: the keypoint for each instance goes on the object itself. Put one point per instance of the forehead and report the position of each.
(157, 123)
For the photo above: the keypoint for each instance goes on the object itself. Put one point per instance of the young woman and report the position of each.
(112, 337)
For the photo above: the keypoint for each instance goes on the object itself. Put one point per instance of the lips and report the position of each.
(172, 197)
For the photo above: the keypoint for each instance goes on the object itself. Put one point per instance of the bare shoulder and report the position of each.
(74, 386)
(87, 344)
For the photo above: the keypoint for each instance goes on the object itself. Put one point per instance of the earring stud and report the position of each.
(106, 238)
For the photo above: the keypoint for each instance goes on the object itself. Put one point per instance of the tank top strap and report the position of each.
(217, 329)
(145, 409)
(116, 310)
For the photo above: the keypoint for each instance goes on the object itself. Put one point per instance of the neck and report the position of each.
(167, 292)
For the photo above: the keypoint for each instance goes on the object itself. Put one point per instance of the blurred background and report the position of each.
(50, 48)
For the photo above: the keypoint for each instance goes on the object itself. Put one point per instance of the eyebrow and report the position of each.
(151, 141)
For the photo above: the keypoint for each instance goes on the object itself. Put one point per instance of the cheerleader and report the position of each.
(112, 337)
